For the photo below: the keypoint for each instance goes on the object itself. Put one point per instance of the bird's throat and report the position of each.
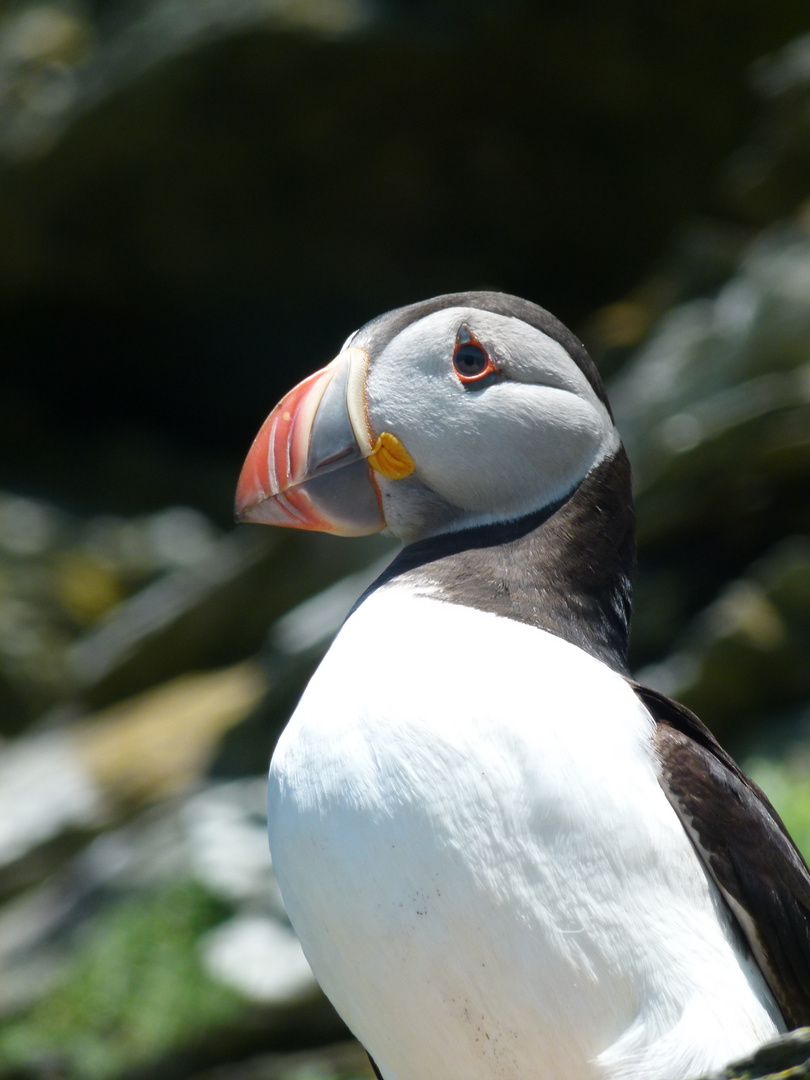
(566, 568)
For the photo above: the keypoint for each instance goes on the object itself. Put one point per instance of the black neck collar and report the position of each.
(566, 568)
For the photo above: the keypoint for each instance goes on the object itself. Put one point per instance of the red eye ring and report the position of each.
(472, 363)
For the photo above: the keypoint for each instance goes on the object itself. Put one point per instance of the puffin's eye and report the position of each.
(471, 360)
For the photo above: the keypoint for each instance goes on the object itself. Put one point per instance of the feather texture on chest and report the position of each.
(436, 791)
(457, 711)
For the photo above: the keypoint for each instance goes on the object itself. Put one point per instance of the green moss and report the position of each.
(787, 786)
(134, 990)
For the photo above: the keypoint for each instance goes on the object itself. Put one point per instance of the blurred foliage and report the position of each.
(198, 202)
(786, 780)
(133, 990)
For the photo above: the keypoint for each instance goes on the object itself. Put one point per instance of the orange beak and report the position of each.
(307, 466)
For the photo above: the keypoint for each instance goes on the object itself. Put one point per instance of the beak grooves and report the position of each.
(307, 468)
(278, 458)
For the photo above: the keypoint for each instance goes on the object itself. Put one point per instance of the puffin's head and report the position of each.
(458, 411)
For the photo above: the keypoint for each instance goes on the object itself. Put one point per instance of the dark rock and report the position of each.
(787, 1058)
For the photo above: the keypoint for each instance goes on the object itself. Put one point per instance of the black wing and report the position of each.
(745, 846)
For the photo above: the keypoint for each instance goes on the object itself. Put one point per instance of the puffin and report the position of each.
(504, 858)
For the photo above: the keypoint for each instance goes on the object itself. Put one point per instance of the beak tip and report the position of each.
(248, 507)
(242, 508)
(250, 488)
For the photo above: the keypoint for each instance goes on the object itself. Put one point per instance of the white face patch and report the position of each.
(494, 453)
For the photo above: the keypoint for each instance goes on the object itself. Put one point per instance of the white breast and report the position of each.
(484, 873)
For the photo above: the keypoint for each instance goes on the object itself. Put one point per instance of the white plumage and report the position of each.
(485, 874)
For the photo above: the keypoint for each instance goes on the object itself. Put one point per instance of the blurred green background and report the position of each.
(199, 201)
